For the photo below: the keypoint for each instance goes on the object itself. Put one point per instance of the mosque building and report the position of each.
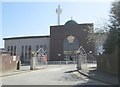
(61, 44)
(63, 40)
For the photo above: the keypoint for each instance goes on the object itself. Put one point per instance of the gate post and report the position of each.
(81, 58)
(79, 62)
(18, 65)
(32, 62)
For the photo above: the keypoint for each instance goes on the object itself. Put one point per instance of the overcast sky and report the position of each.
(35, 18)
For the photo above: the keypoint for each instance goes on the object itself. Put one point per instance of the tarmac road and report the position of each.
(52, 75)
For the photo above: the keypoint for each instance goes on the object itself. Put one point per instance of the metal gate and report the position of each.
(81, 59)
(40, 59)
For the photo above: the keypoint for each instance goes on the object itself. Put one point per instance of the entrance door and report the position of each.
(70, 46)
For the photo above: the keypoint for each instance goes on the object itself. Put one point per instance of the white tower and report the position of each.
(58, 11)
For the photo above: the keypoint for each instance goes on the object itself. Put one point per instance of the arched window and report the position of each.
(70, 43)
(70, 46)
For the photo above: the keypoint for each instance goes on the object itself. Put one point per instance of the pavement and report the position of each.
(23, 69)
(93, 73)
(14, 72)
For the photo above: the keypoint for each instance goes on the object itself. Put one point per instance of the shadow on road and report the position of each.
(102, 77)
(70, 71)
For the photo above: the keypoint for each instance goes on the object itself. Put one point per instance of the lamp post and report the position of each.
(59, 57)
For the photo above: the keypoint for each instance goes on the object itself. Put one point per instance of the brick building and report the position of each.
(66, 39)
(62, 43)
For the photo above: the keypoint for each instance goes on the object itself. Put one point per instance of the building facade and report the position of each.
(66, 39)
(23, 46)
(62, 44)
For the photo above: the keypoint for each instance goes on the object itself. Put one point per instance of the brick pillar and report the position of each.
(32, 62)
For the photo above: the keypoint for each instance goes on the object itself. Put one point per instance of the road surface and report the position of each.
(52, 75)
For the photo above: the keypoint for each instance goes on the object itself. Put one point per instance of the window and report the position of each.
(22, 52)
(70, 45)
(22, 49)
(29, 52)
(37, 48)
(8, 49)
(45, 47)
(26, 52)
(41, 46)
(11, 50)
(14, 50)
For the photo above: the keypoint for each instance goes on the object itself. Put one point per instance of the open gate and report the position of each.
(81, 59)
(40, 57)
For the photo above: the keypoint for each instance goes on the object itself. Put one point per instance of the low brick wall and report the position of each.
(8, 63)
(108, 63)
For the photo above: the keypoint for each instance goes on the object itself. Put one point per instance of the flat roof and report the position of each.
(26, 37)
(69, 24)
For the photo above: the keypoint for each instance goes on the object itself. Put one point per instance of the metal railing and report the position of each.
(67, 62)
(61, 62)
(94, 62)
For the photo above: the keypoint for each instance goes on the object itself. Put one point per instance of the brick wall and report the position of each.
(8, 63)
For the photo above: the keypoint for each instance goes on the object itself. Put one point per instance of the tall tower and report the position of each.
(58, 12)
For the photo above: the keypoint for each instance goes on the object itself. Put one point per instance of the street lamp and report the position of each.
(59, 57)
(90, 52)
